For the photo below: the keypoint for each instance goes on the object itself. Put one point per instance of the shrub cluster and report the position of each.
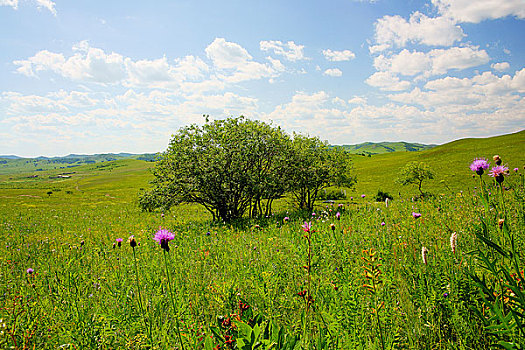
(237, 166)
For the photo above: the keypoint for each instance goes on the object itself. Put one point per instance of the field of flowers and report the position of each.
(445, 272)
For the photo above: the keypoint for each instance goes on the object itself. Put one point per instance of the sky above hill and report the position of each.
(122, 76)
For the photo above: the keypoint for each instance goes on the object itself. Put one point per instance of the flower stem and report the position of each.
(140, 300)
(175, 309)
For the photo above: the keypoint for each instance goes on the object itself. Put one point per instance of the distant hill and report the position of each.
(14, 164)
(449, 161)
(371, 148)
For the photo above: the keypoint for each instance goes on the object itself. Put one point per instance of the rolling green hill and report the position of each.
(371, 148)
(13, 164)
(450, 162)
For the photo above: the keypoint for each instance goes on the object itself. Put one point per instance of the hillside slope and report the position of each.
(450, 162)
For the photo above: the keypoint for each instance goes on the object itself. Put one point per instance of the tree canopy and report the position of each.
(237, 166)
(415, 173)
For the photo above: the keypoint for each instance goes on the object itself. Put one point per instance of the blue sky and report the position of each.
(123, 76)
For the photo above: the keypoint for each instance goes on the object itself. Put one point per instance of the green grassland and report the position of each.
(449, 162)
(248, 286)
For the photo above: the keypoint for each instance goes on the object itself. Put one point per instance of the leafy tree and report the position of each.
(415, 173)
(314, 166)
(229, 166)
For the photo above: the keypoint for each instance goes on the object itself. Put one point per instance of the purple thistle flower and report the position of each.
(363, 196)
(286, 219)
(338, 215)
(30, 271)
(307, 226)
(416, 215)
(383, 223)
(119, 241)
(313, 214)
(516, 170)
(163, 236)
(351, 198)
(479, 165)
(498, 172)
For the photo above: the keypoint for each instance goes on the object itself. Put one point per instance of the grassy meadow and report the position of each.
(379, 276)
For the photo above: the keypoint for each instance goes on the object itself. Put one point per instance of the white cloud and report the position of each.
(227, 55)
(482, 93)
(47, 4)
(290, 50)
(276, 64)
(333, 72)
(435, 62)
(357, 100)
(315, 114)
(12, 3)
(190, 67)
(405, 63)
(396, 31)
(373, 49)
(479, 10)
(235, 63)
(386, 81)
(93, 65)
(339, 101)
(338, 56)
(501, 66)
(457, 58)
(231, 64)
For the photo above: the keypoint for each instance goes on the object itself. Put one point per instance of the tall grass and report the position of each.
(86, 295)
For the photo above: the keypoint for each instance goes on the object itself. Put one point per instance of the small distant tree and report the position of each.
(313, 166)
(414, 173)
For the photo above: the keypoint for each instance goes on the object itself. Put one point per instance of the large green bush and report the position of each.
(237, 166)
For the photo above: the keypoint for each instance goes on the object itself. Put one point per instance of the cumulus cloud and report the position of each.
(405, 63)
(231, 63)
(457, 58)
(434, 62)
(396, 31)
(333, 72)
(47, 4)
(386, 81)
(357, 100)
(483, 92)
(477, 11)
(92, 65)
(227, 55)
(501, 66)
(12, 3)
(290, 50)
(235, 62)
(338, 56)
